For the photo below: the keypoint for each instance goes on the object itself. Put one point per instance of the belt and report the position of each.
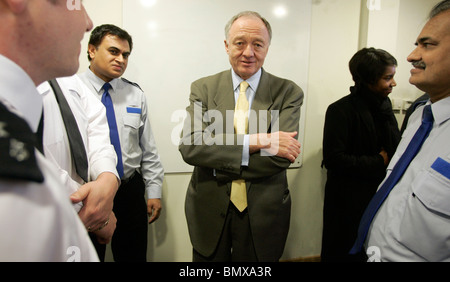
(125, 181)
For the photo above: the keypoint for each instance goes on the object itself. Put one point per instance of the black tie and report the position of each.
(77, 149)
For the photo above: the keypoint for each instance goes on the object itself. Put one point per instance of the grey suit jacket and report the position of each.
(209, 143)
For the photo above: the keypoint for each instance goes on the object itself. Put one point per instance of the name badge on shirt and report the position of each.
(442, 167)
(131, 110)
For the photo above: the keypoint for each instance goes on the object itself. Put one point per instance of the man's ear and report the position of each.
(226, 46)
(16, 6)
(92, 50)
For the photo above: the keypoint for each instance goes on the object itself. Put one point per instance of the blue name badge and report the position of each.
(134, 110)
(442, 167)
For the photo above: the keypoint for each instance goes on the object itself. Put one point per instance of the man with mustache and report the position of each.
(413, 221)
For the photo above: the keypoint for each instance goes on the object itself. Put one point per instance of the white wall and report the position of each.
(171, 51)
(335, 37)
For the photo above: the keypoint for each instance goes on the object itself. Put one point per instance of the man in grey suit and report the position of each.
(254, 228)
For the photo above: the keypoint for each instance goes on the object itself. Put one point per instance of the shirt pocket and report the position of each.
(425, 225)
(130, 132)
(424, 228)
(433, 187)
(132, 120)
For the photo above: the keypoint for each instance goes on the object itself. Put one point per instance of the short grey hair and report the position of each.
(440, 8)
(247, 13)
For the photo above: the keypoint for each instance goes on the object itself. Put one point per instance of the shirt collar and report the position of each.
(441, 110)
(252, 81)
(98, 83)
(43, 88)
(19, 90)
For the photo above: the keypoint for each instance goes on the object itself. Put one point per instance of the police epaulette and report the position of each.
(17, 145)
(419, 103)
(132, 83)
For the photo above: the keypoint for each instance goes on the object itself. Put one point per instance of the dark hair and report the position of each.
(101, 31)
(439, 8)
(369, 64)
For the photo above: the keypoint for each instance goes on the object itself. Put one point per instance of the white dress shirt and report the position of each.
(253, 83)
(413, 224)
(37, 220)
(90, 116)
(139, 152)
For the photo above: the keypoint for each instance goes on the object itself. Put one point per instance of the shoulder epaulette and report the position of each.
(132, 83)
(17, 145)
(420, 101)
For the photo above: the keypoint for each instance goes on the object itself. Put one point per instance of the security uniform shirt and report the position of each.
(139, 152)
(413, 224)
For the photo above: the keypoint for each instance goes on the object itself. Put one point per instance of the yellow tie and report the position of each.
(238, 190)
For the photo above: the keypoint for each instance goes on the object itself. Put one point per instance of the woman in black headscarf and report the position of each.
(360, 136)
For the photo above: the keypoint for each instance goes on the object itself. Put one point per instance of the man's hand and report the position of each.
(153, 209)
(97, 197)
(105, 233)
(385, 156)
(281, 144)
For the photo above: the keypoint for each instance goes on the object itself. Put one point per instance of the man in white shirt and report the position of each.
(138, 158)
(413, 223)
(102, 183)
(37, 220)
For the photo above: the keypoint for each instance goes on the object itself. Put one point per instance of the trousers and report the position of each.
(129, 242)
(236, 242)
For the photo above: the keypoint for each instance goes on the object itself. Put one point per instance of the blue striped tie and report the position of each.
(411, 151)
(113, 131)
